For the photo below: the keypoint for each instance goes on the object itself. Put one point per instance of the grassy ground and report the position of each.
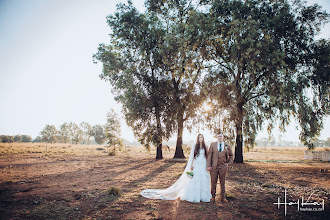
(62, 181)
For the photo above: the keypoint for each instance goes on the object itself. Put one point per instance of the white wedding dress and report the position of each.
(199, 187)
(195, 189)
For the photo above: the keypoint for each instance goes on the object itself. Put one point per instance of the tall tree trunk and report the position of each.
(239, 135)
(178, 150)
(159, 154)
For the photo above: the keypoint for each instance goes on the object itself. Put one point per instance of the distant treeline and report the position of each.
(15, 138)
(70, 132)
(84, 133)
(265, 142)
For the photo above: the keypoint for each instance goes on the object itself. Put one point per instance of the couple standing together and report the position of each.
(207, 165)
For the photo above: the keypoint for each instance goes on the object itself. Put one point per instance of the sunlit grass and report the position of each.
(277, 153)
(49, 149)
(44, 150)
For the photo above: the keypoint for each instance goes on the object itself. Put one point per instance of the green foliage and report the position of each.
(49, 134)
(18, 138)
(64, 133)
(37, 140)
(254, 62)
(320, 76)
(72, 133)
(182, 49)
(154, 63)
(75, 133)
(26, 138)
(6, 139)
(263, 59)
(112, 129)
(98, 134)
(132, 64)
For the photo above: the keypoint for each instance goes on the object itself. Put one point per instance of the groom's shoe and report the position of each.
(224, 199)
(213, 199)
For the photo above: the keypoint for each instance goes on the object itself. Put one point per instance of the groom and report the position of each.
(219, 158)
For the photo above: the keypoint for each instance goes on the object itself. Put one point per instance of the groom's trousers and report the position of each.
(220, 172)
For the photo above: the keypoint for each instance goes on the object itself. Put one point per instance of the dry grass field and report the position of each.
(63, 181)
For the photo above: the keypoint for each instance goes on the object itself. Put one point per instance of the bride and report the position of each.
(195, 189)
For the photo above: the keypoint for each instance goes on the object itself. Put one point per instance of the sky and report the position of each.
(47, 74)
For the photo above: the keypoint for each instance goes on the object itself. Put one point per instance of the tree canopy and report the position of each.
(263, 62)
(154, 64)
(49, 134)
(254, 62)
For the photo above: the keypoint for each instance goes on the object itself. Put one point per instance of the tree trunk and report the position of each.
(159, 154)
(239, 135)
(178, 150)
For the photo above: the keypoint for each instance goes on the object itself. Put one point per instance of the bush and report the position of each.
(267, 185)
(112, 153)
(230, 196)
(114, 191)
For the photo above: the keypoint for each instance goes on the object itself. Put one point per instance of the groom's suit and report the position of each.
(217, 159)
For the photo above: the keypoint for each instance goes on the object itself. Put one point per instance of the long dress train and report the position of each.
(186, 187)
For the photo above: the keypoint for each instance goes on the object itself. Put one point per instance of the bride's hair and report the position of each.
(198, 147)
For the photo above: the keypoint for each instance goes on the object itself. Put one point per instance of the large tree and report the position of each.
(264, 66)
(75, 133)
(64, 133)
(98, 134)
(160, 56)
(49, 134)
(183, 49)
(132, 63)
